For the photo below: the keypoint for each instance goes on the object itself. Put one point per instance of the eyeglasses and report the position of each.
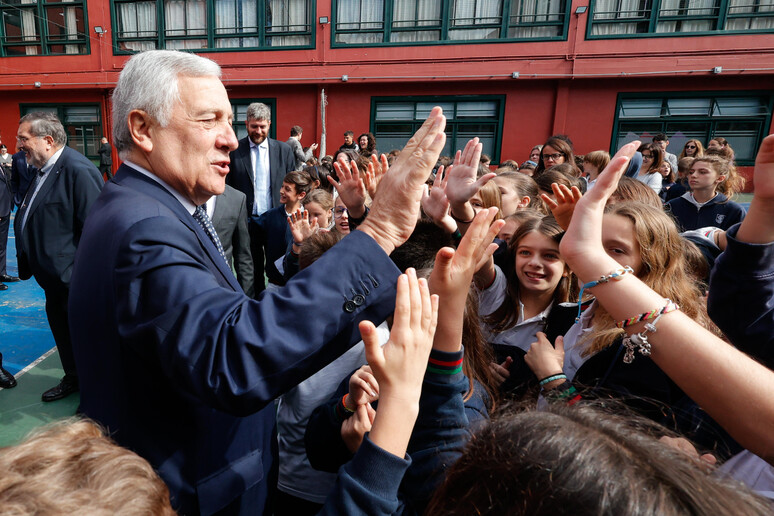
(338, 211)
(553, 157)
(647, 156)
(24, 139)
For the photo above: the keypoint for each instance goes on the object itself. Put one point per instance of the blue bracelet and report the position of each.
(615, 275)
(560, 376)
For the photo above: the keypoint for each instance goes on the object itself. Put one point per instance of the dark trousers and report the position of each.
(256, 248)
(289, 505)
(5, 223)
(56, 310)
(107, 170)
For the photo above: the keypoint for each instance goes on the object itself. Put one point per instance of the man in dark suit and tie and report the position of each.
(229, 217)
(22, 174)
(49, 223)
(6, 205)
(258, 166)
(175, 360)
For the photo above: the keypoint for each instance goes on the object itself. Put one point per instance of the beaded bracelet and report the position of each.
(344, 403)
(640, 340)
(669, 307)
(615, 276)
(549, 379)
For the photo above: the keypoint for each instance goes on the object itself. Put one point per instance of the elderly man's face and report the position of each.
(37, 149)
(191, 154)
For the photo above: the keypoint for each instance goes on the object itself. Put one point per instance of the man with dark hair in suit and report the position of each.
(257, 168)
(106, 158)
(296, 133)
(6, 206)
(175, 360)
(228, 212)
(49, 223)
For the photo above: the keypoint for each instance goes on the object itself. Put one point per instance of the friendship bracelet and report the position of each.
(344, 403)
(640, 340)
(457, 236)
(670, 307)
(615, 276)
(549, 379)
(451, 214)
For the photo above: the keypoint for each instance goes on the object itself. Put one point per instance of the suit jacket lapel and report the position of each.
(45, 188)
(146, 185)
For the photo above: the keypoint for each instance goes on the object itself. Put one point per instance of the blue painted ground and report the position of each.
(24, 332)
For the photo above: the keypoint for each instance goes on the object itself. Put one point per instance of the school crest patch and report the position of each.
(719, 218)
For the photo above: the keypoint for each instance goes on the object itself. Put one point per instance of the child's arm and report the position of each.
(721, 379)
(435, 204)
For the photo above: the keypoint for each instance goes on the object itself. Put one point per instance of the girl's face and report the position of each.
(713, 144)
(315, 210)
(620, 241)
(691, 148)
(507, 231)
(363, 142)
(341, 217)
(552, 156)
(535, 155)
(510, 202)
(477, 202)
(665, 170)
(703, 177)
(538, 264)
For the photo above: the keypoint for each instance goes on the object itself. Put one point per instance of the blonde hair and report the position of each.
(71, 468)
(490, 198)
(664, 269)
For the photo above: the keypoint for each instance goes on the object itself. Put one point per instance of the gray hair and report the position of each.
(45, 123)
(258, 111)
(148, 82)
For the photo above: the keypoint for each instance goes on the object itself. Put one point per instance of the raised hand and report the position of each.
(564, 205)
(376, 169)
(462, 183)
(395, 210)
(436, 205)
(758, 226)
(301, 227)
(581, 245)
(363, 388)
(350, 186)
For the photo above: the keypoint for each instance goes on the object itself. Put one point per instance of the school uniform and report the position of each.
(718, 212)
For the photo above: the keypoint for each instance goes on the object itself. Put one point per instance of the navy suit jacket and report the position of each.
(46, 246)
(21, 176)
(6, 191)
(241, 175)
(179, 364)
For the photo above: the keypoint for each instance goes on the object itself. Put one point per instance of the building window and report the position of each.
(82, 123)
(740, 118)
(219, 24)
(616, 18)
(401, 22)
(239, 107)
(31, 28)
(394, 120)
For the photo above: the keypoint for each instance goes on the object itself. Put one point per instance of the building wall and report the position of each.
(566, 87)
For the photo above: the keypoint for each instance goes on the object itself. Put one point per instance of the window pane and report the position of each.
(424, 108)
(81, 114)
(639, 108)
(623, 17)
(742, 136)
(287, 16)
(630, 131)
(395, 111)
(393, 136)
(739, 107)
(679, 107)
(185, 18)
(416, 13)
(681, 132)
(236, 16)
(485, 132)
(477, 109)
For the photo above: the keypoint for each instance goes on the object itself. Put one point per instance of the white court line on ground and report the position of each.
(36, 362)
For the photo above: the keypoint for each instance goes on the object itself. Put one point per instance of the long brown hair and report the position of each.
(733, 183)
(664, 269)
(506, 315)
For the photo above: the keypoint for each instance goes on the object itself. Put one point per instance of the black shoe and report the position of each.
(7, 380)
(7, 278)
(3, 286)
(66, 387)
